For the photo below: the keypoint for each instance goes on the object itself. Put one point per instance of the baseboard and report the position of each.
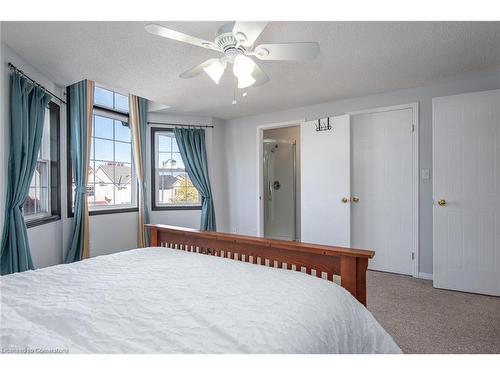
(426, 276)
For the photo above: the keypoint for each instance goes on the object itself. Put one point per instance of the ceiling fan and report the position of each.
(235, 40)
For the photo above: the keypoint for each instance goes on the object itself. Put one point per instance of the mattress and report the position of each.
(160, 300)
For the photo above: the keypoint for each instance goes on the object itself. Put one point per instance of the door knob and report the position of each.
(442, 202)
(355, 199)
(345, 200)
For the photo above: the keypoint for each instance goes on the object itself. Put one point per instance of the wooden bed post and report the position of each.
(361, 267)
(353, 276)
(153, 236)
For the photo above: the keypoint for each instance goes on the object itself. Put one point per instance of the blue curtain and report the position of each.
(27, 114)
(79, 128)
(192, 148)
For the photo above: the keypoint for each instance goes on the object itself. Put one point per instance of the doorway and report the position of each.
(281, 182)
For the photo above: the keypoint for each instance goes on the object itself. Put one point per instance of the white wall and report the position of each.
(241, 148)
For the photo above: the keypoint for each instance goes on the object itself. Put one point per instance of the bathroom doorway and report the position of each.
(281, 183)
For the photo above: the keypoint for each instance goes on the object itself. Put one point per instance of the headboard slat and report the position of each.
(316, 260)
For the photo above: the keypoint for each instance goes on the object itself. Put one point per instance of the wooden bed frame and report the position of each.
(317, 260)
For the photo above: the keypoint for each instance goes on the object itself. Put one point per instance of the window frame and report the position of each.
(154, 205)
(54, 166)
(100, 211)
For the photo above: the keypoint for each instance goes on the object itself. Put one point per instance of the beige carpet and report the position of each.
(422, 319)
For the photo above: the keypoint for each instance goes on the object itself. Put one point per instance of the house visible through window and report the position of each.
(111, 178)
(43, 202)
(172, 188)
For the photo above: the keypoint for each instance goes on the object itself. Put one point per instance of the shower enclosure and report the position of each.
(280, 189)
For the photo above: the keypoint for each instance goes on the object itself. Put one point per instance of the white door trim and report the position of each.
(260, 192)
(415, 174)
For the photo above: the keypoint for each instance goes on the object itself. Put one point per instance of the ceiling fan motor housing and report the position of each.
(228, 42)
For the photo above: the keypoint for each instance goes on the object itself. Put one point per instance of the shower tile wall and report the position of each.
(275, 220)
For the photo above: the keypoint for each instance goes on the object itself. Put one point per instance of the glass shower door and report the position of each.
(280, 212)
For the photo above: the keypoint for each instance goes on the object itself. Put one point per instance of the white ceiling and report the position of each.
(357, 58)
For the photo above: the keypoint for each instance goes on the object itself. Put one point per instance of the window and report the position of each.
(171, 186)
(43, 203)
(112, 184)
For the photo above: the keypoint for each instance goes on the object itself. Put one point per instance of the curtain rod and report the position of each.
(11, 66)
(181, 125)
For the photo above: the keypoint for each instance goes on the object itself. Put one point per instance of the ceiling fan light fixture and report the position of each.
(243, 66)
(246, 81)
(215, 70)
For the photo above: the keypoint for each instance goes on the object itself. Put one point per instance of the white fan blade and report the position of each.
(287, 51)
(247, 32)
(197, 69)
(181, 37)
(259, 75)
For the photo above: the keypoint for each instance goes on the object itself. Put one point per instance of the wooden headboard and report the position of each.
(317, 260)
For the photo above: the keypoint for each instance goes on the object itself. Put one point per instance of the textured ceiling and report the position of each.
(357, 58)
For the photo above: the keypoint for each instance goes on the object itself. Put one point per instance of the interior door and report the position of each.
(325, 181)
(466, 192)
(382, 188)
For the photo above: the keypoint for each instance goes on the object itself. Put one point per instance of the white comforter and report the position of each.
(158, 300)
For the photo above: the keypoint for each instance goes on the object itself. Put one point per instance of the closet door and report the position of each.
(325, 183)
(466, 192)
(382, 217)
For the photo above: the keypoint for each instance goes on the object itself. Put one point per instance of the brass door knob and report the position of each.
(442, 202)
(345, 200)
(355, 199)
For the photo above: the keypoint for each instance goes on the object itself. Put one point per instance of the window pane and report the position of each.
(111, 181)
(165, 161)
(122, 131)
(173, 186)
(175, 147)
(104, 195)
(44, 152)
(123, 194)
(121, 102)
(123, 152)
(103, 97)
(164, 143)
(103, 149)
(103, 127)
(180, 195)
(103, 172)
(42, 171)
(43, 196)
(178, 161)
(30, 203)
(123, 174)
(165, 188)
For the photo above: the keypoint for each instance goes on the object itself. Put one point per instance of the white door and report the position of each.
(382, 188)
(466, 157)
(325, 180)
